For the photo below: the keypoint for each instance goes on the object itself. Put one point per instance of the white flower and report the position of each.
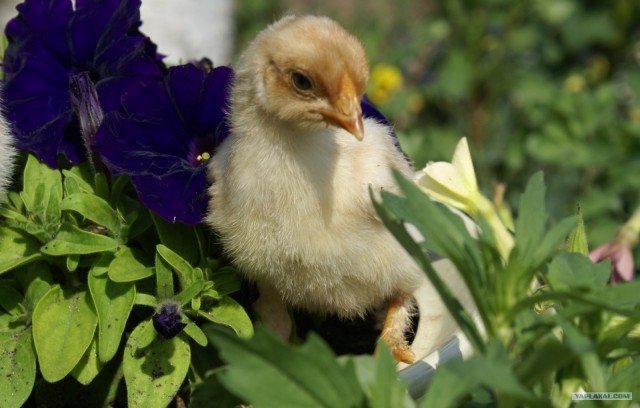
(455, 184)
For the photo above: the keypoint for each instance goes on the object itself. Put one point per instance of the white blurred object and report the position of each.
(7, 155)
(190, 29)
(438, 338)
(182, 29)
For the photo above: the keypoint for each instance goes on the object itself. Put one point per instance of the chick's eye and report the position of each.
(301, 81)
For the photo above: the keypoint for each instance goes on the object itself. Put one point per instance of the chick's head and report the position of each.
(308, 72)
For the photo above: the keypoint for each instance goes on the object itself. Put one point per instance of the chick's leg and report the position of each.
(272, 311)
(396, 324)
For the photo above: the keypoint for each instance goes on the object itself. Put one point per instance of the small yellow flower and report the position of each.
(455, 184)
(574, 83)
(385, 81)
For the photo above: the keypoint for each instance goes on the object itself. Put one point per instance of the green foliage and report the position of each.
(548, 315)
(81, 260)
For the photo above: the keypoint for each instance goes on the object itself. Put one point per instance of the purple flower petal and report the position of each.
(163, 140)
(168, 320)
(49, 42)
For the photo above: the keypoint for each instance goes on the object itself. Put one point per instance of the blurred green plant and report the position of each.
(547, 84)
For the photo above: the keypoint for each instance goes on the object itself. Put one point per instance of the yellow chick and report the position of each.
(290, 194)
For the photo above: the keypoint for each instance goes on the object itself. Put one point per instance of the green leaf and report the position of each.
(42, 191)
(190, 292)
(164, 278)
(226, 280)
(574, 270)
(154, 373)
(17, 248)
(101, 265)
(229, 313)
(379, 380)
(460, 378)
(577, 241)
(266, 372)
(130, 264)
(72, 240)
(72, 262)
(144, 299)
(79, 179)
(113, 302)
(397, 228)
(181, 239)
(63, 327)
(89, 365)
(196, 333)
(532, 216)
(93, 208)
(182, 267)
(17, 368)
(11, 300)
(210, 389)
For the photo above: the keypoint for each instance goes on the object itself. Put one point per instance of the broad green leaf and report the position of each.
(266, 372)
(93, 208)
(17, 248)
(574, 270)
(17, 368)
(35, 291)
(89, 365)
(181, 239)
(154, 373)
(63, 327)
(11, 300)
(183, 268)
(72, 240)
(113, 302)
(229, 313)
(130, 264)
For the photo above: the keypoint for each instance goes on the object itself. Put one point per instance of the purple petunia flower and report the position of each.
(168, 320)
(163, 141)
(49, 42)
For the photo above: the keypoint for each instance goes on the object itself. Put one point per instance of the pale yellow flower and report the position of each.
(455, 184)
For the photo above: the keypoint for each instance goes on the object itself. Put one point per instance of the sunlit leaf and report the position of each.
(154, 372)
(113, 302)
(63, 327)
(17, 367)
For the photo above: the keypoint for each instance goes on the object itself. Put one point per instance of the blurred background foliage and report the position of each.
(541, 84)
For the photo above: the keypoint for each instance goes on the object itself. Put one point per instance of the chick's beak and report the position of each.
(346, 111)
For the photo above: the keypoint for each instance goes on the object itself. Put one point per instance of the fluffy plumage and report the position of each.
(290, 194)
(7, 154)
